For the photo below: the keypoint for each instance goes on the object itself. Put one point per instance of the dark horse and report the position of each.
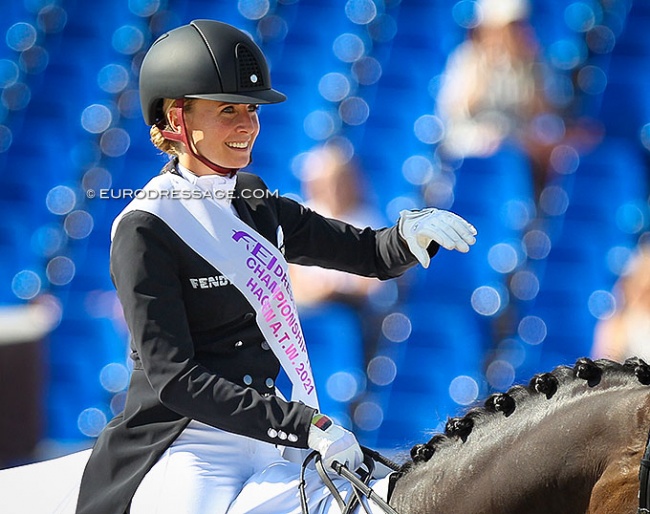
(570, 442)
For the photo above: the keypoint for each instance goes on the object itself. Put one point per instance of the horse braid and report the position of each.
(422, 453)
(588, 370)
(544, 383)
(459, 427)
(641, 369)
(501, 402)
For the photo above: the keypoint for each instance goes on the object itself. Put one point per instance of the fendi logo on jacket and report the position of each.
(209, 282)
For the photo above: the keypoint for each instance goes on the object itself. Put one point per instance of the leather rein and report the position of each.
(361, 491)
(644, 481)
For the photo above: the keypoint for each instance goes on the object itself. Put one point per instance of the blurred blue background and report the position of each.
(362, 71)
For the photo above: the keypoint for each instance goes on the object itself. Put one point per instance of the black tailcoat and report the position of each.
(197, 350)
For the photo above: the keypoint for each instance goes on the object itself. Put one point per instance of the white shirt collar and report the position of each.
(222, 187)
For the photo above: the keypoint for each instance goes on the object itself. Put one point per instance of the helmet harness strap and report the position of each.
(183, 137)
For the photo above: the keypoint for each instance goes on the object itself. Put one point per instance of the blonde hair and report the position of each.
(155, 132)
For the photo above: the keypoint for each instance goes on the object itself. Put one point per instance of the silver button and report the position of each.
(272, 433)
(269, 382)
(265, 346)
(248, 380)
(282, 435)
(238, 344)
(292, 437)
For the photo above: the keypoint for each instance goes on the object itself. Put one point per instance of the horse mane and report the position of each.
(546, 384)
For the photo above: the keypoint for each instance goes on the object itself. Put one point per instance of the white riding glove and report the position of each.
(419, 228)
(334, 443)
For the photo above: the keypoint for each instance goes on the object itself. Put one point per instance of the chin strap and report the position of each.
(183, 137)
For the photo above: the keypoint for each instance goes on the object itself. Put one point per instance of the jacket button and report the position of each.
(248, 380)
(282, 435)
(292, 438)
(272, 433)
(239, 344)
(265, 346)
(269, 382)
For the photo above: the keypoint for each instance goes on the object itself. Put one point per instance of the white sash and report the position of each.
(252, 264)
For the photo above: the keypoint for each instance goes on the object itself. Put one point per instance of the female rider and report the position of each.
(200, 270)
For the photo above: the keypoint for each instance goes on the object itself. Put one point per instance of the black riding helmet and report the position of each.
(205, 59)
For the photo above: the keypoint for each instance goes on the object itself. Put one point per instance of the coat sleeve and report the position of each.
(145, 270)
(314, 240)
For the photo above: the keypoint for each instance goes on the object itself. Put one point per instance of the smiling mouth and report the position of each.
(237, 146)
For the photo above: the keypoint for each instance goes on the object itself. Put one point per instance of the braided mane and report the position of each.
(546, 384)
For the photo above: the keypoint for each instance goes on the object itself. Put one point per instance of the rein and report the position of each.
(644, 479)
(360, 488)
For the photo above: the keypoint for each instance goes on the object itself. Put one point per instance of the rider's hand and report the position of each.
(334, 443)
(420, 228)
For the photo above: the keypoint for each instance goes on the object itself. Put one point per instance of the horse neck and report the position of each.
(546, 457)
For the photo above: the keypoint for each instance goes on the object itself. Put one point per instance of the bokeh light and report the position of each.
(382, 370)
(396, 327)
(113, 78)
(417, 170)
(128, 39)
(348, 47)
(21, 36)
(503, 258)
(91, 422)
(428, 129)
(17, 96)
(60, 200)
(96, 118)
(52, 19)
(114, 377)
(360, 12)
(524, 285)
(537, 244)
(320, 125)
(115, 142)
(368, 416)
(500, 374)
(60, 270)
(486, 300)
(144, 8)
(334, 87)
(9, 73)
(354, 110)
(253, 9)
(554, 200)
(602, 304)
(366, 70)
(532, 330)
(342, 386)
(26, 284)
(78, 224)
(463, 390)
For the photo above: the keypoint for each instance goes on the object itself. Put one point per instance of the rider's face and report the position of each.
(224, 133)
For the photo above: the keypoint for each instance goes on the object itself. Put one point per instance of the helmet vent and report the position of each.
(250, 73)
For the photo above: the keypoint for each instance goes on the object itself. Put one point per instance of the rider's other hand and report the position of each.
(420, 228)
(334, 443)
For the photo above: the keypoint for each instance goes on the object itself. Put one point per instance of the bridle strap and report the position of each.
(644, 481)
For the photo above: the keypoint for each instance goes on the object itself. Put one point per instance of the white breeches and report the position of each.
(205, 471)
